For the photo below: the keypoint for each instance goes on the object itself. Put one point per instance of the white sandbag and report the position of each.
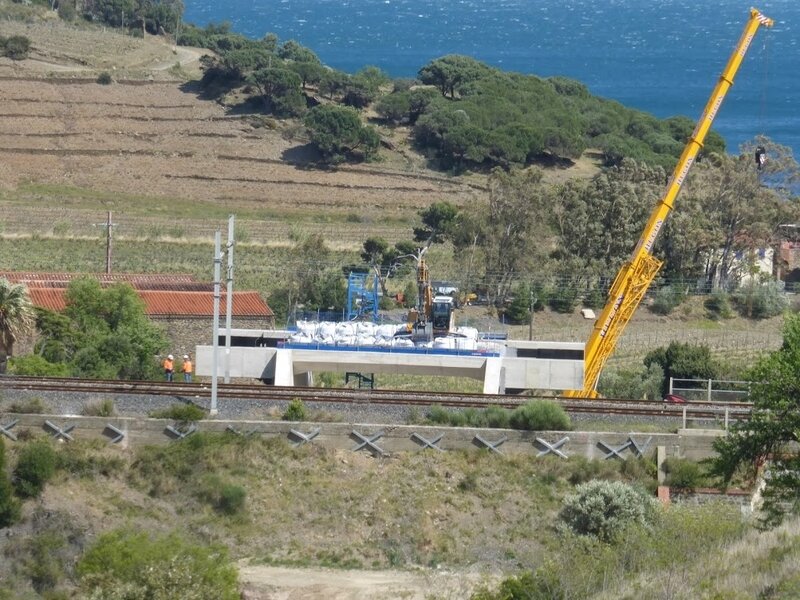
(467, 332)
(345, 329)
(307, 327)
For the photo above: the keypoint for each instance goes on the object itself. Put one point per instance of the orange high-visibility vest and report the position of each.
(187, 366)
(168, 365)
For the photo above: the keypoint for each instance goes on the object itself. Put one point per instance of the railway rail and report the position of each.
(233, 391)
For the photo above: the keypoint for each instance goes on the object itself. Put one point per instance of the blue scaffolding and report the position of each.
(362, 300)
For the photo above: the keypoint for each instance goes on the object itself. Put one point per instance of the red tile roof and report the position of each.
(137, 280)
(169, 303)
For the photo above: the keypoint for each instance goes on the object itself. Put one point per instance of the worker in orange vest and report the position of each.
(187, 368)
(169, 367)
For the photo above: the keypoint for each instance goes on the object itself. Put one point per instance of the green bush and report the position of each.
(683, 474)
(89, 459)
(33, 406)
(682, 361)
(295, 411)
(35, 467)
(641, 383)
(9, 506)
(540, 415)
(125, 565)
(104, 78)
(66, 11)
(594, 299)
(665, 300)
(33, 365)
(226, 498)
(496, 417)
(718, 306)
(564, 300)
(603, 509)
(102, 408)
(16, 47)
(760, 301)
(438, 415)
(180, 412)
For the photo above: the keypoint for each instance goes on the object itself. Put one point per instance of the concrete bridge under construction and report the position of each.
(525, 365)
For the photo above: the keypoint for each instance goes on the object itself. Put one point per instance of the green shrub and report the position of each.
(519, 311)
(226, 498)
(665, 300)
(17, 47)
(104, 78)
(295, 411)
(180, 412)
(9, 506)
(32, 406)
(682, 361)
(603, 509)
(496, 417)
(33, 365)
(66, 10)
(718, 306)
(564, 300)
(438, 415)
(124, 565)
(594, 299)
(760, 301)
(683, 474)
(35, 467)
(102, 408)
(641, 383)
(88, 459)
(540, 415)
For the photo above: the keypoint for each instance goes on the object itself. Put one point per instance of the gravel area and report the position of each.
(72, 403)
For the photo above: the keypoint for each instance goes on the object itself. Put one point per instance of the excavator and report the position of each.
(636, 275)
(433, 315)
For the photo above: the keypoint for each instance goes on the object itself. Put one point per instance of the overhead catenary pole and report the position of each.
(229, 301)
(215, 345)
(108, 244)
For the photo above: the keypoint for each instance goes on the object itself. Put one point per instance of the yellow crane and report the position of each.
(637, 274)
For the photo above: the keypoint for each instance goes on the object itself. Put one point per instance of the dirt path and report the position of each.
(183, 55)
(283, 583)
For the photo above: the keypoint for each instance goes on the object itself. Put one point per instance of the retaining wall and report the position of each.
(377, 439)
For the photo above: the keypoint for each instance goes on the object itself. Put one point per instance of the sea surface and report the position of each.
(661, 56)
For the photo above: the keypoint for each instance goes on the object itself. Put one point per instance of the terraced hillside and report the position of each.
(123, 142)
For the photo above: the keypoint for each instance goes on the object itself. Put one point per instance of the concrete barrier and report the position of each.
(384, 438)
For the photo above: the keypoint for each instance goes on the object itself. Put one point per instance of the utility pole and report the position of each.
(215, 357)
(533, 301)
(229, 301)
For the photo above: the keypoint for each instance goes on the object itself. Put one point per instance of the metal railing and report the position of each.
(710, 390)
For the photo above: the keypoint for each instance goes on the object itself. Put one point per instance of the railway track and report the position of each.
(234, 391)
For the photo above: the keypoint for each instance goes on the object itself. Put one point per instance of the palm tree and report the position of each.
(16, 317)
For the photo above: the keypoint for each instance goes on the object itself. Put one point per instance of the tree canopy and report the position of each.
(771, 436)
(103, 333)
(339, 135)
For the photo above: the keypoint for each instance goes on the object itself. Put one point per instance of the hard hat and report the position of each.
(185, 356)
(169, 356)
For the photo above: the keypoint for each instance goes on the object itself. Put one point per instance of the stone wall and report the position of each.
(186, 334)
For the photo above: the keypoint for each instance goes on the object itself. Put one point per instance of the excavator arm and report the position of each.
(636, 275)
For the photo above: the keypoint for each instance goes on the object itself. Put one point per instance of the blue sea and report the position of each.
(661, 56)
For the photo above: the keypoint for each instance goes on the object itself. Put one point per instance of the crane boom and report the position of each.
(636, 275)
